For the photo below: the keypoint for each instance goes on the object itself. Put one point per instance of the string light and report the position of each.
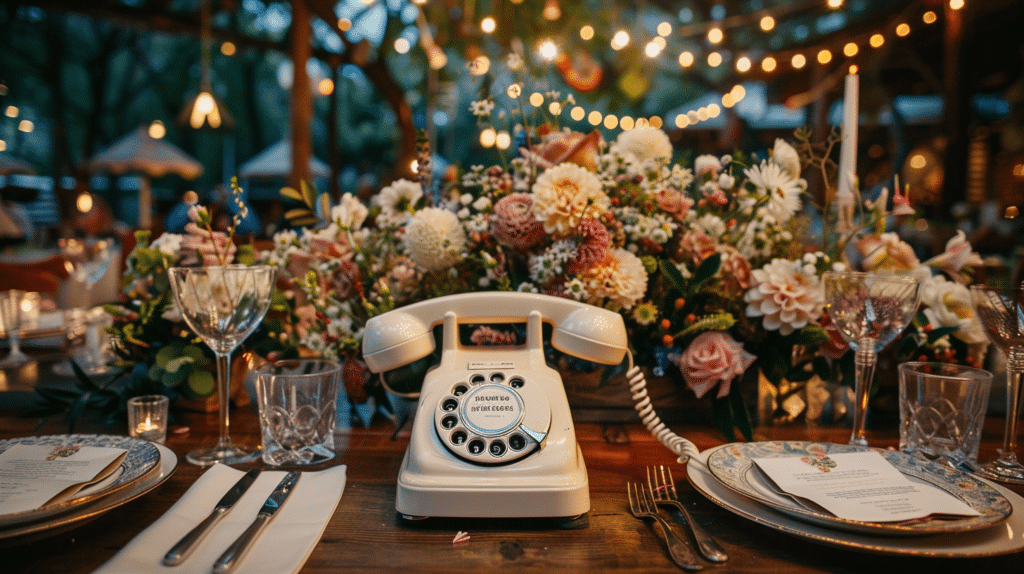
(715, 35)
(768, 64)
(686, 59)
(743, 64)
(902, 30)
(664, 29)
(620, 40)
(798, 61)
(488, 25)
(714, 59)
(850, 49)
(767, 23)
(956, 4)
(587, 32)
(877, 40)
(824, 56)
(834, 4)
(548, 50)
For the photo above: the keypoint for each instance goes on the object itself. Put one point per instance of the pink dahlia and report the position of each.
(514, 222)
(592, 248)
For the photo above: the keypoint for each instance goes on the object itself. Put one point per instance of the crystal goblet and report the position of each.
(870, 310)
(10, 313)
(1000, 312)
(223, 305)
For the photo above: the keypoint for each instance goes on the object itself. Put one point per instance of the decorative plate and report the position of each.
(733, 466)
(1002, 539)
(31, 531)
(141, 460)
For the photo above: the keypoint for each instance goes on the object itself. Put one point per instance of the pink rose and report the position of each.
(674, 202)
(713, 357)
(696, 246)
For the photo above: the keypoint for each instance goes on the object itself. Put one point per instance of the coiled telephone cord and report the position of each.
(638, 389)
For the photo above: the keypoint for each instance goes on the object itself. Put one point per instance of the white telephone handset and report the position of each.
(493, 435)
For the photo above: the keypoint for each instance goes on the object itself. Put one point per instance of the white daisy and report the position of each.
(783, 190)
(397, 201)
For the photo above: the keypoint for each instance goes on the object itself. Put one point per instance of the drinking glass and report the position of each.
(999, 310)
(223, 305)
(870, 310)
(10, 309)
(87, 261)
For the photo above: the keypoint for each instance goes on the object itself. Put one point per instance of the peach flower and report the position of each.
(713, 357)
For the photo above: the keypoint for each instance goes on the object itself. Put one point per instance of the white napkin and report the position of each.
(283, 547)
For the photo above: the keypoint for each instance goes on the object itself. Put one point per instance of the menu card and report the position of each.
(32, 476)
(859, 486)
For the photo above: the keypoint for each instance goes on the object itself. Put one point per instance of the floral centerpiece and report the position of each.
(710, 262)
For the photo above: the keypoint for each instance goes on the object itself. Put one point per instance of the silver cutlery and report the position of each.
(234, 554)
(180, 551)
(643, 507)
(663, 491)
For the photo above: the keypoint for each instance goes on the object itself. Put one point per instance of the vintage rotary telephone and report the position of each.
(492, 435)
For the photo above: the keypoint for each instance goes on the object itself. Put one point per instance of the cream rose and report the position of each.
(713, 357)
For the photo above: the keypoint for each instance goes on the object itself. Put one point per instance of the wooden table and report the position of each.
(365, 535)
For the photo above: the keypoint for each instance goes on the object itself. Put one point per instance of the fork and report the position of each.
(663, 491)
(643, 507)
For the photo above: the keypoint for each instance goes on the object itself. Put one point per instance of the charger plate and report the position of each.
(142, 460)
(81, 514)
(733, 466)
(1006, 538)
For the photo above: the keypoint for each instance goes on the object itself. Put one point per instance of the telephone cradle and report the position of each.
(493, 435)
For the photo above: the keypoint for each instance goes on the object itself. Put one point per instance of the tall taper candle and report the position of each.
(848, 147)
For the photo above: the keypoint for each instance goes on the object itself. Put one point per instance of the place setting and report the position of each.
(929, 498)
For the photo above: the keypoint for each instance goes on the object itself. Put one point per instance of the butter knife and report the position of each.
(180, 551)
(233, 555)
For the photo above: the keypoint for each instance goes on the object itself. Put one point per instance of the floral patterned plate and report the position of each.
(141, 460)
(733, 466)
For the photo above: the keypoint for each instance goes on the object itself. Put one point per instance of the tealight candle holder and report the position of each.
(147, 417)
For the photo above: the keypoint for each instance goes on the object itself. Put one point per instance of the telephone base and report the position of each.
(478, 524)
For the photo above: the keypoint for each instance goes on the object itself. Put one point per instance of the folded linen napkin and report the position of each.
(283, 547)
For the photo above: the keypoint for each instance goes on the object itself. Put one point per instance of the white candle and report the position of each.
(848, 146)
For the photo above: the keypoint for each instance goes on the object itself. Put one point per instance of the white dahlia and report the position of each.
(947, 304)
(785, 295)
(350, 212)
(434, 239)
(645, 143)
(620, 279)
(397, 201)
(782, 189)
(566, 194)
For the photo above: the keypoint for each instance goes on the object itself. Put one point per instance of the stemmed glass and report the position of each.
(87, 261)
(10, 312)
(223, 305)
(870, 310)
(999, 310)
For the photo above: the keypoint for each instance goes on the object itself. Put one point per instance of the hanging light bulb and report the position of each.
(205, 111)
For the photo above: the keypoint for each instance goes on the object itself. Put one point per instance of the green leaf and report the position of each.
(707, 269)
(290, 193)
(810, 336)
(722, 411)
(308, 193)
(325, 205)
(201, 383)
(936, 334)
(174, 364)
(673, 274)
(740, 414)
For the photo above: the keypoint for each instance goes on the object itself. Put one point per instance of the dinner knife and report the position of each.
(233, 555)
(180, 551)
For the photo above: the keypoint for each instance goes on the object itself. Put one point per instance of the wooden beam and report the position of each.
(300, 111)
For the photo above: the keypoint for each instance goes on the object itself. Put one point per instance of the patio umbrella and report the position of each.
(276, 161)
(10, 165)
(141, 154)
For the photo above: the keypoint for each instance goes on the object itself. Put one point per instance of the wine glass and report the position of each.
(999, 310)
(10, 310)
(87, 261)
(870, 310)
(223, 305)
